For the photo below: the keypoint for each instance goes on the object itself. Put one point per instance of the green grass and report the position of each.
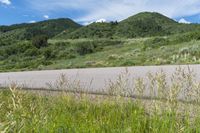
(87, 53)
(26, 112)
(132, 53)
(163, 111)
(147, 38)
(145, 24)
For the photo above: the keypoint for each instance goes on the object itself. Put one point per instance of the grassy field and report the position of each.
(84, 53)
(137, 52)
(24, 111)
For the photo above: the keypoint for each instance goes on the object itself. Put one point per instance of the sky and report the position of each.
(87, 11)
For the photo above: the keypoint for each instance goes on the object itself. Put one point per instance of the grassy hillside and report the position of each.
(144, 24)
(151, 24)
(83, 53)
(143, 39)
(17, 34)
(94, 30)
(49, 28)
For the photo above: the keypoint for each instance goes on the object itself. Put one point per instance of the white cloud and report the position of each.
(102, 20)
(6, 2)
(92, 10)
(46, 16)
(32, 21)
(97, 21)
(182, 20)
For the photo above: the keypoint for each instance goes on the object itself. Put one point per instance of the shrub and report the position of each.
(113, 57)
(85, 48)
(155, 42)
(40, 41)
(49, 53)
(66, 55)
(31, 52)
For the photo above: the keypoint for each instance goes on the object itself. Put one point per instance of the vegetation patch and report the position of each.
(168, 107)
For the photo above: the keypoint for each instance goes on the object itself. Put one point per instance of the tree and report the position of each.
(40, 41)
(114, 23)
(85, 48)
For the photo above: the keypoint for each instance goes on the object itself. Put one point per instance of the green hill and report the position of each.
(151, 24)
(94, 30)
(11, 35)
(142, 39)
(144, 24)
(49, 28)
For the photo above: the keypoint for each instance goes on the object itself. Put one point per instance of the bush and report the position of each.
(49, 53)
(40, 41)
(31, 52)
(85, 48)
(66, 55)
(155, 43)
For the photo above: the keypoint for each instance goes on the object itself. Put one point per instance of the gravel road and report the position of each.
(94, 79)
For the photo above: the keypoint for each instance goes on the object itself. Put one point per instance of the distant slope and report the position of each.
(150, 24)
(94, 30)
(17, 34)
(50, 28)
(144, 24)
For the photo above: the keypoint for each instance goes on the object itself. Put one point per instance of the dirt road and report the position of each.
(93, 78)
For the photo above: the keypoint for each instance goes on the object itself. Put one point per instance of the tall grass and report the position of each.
(157, 103)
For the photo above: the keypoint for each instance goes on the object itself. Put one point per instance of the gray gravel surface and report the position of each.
(94, 79)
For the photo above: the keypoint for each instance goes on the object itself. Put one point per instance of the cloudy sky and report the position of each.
(86, 11)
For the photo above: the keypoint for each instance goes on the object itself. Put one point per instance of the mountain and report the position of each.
(26, 46)
(150, 24)
(49, 28)
(94, 30)
(144, 24)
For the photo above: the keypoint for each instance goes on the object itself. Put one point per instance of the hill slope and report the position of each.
(106, 44)
(151, 24)
(27, 31)
(94, 30)
(144, 24)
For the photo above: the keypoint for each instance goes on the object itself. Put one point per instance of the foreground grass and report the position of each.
(25, 112)
(173, 106)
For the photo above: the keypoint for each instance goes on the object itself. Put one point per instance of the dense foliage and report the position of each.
(40, 41)
(49, 28)
(38, 52)
(94, 30)
(140, 25)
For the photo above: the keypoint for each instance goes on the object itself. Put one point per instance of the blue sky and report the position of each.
(86, 11)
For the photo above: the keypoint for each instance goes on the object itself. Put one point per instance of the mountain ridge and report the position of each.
(50, 28)
(144, 24)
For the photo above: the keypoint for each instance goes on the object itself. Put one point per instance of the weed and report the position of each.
(156, 103)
